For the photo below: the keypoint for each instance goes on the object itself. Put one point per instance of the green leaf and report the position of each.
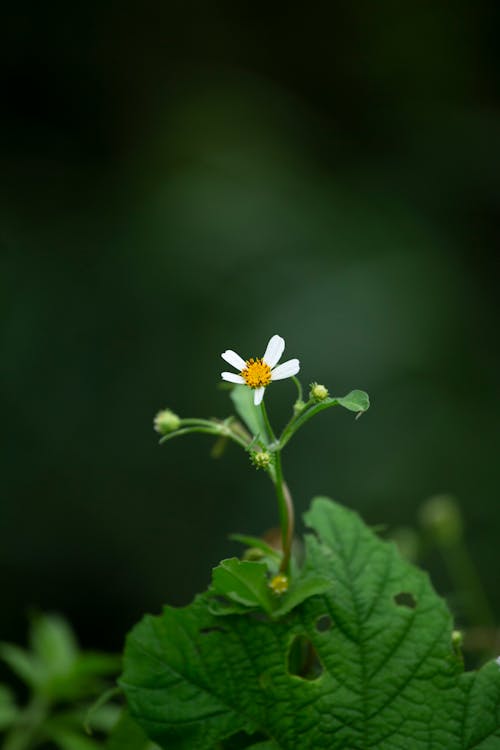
(53, 644)
(243, 582)
(128, 735)
(299, 592)
(246, 585)
(96, 664)
(251, 415)
(23, 664)
(9, 712)
(354, 401)
(68, 739)
(379, 668)
(101, 714)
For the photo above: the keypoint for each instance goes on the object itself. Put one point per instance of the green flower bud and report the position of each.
(298, 406)
(261, 459)
(279, 584)
(253, 554)
(440, 516)
(166, 421)
(457, 640)
(318, 392)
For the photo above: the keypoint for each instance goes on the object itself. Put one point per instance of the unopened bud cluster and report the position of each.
(318, 392)
(261, 459)
(279, 584)
(166, 421)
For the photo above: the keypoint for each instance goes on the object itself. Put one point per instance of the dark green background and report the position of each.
(182, 178)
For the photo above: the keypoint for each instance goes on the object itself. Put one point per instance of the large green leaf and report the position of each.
(379, 668)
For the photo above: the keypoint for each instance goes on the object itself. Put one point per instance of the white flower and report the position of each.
(258, 373)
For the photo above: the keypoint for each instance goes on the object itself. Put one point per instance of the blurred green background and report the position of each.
(182, 178)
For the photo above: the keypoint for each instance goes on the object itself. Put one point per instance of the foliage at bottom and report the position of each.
(369, 662)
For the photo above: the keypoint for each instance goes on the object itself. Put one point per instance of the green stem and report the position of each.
(270, 431)
(285, 506)
(207, 428)
(298, 385)
(468, 583)
(311, 409)
(285, 503)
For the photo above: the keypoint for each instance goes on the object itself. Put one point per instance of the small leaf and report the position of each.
(97, 664)
(23, 664)
(9, 712)
(54, 644)
(242, 398)
(243, 582)
(354, 401)
(95, 712)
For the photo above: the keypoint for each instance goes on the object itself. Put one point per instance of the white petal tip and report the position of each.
(258, 396)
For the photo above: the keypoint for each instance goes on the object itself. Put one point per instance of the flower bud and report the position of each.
(441, 517)
(261, 459)
(457, 641)
(279, 584)
(298, 406)
(254, 554)
(166, 421)
(318, 392)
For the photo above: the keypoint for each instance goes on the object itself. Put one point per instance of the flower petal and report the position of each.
(275, 349)
(232, 377)
(286, 370)
(233, 359)
(258, 395)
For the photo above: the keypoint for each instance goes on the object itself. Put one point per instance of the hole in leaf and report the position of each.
(303, 659)
(405, 599)
(215, 629)
(323, 623)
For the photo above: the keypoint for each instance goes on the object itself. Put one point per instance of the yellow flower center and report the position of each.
(256, 373)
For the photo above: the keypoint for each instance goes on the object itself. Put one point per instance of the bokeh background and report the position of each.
(182, 178)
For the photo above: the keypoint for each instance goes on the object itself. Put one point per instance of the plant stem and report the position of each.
(311, 408)
(207, 428)
(468, 583)
(285, 503)
(298, 385)
(270, 431)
